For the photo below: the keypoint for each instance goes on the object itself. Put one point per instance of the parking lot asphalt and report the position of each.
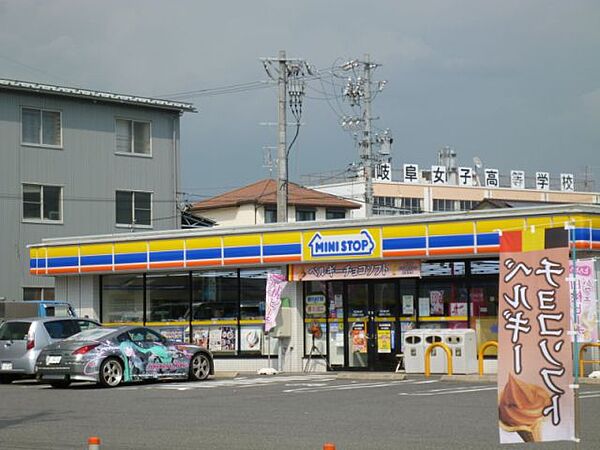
(287, 411)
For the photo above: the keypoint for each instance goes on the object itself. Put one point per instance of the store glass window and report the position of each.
(253, 290)
(215, 310)
(335, 297)
(443, 304)
(484, 309)
(167, 297)
(315, 316)
(122, 298)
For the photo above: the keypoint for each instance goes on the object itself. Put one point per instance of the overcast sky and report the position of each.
(516, 83)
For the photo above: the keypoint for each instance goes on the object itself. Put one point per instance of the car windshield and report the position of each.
(14, 331)
(94, 334)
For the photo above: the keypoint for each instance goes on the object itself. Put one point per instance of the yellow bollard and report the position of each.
(482, 350)
(428, 357)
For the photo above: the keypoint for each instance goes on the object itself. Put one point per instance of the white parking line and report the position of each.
(449, 391)
(590, 395)
(345, 387)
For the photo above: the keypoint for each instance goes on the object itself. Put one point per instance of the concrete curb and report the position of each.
(370, 376)
(472, 378)
(225, 375)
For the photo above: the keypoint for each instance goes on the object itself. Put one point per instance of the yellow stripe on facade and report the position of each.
(72, 250)
(487, 226)
(166, 244)
(282, 238)
(202, 243)
(559, 221)
(96, 249)
(583, 221)
(442, 229)
(533, 240)
(401, 231)
(242, 240)
(130, 247)
(538, 222)
(33, 253)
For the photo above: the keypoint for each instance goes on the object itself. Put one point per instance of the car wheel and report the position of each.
(111, 372)
(199, 367)
(61, 384)
(6, 379)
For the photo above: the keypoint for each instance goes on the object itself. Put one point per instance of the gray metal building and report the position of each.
(78, 162)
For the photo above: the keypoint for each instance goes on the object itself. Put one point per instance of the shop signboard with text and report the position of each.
(344, 244)
(355, 270)
(535, 364)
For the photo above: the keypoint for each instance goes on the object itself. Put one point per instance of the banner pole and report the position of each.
(573, 244)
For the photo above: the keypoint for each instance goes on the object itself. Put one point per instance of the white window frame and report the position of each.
(132, 153)
(135, 225)
(41, 144)
(41, 219)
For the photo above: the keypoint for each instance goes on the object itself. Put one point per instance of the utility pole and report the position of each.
(367, 141)
(282, 163)
(358, 91)
(285, 68)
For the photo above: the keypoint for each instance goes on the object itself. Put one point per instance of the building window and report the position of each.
(440, 205)
(134, 208)
(411, 205)
(385, 206)
(466, 205)
(332, 214)
(122, 298)
(133, 137)
(270, 215)
(303, 215)
(42, 203)
(38, 293)
(41, 127)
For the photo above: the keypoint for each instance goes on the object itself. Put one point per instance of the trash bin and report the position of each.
(414, 351)
(463, 344)
(437, 356)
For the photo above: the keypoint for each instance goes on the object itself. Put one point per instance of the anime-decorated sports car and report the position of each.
(110, 356)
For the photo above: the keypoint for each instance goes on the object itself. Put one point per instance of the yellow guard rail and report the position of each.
(482, 349)
(428, 357)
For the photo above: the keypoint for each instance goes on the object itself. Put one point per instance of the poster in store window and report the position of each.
(200, 337)
(384, 337)
(408, 306)
(437, 303)
(358, 337)
(424, 306)
(251, 337)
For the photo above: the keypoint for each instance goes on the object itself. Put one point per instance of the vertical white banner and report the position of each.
(275, 284)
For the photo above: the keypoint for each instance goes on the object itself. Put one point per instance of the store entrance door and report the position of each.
(371, 324)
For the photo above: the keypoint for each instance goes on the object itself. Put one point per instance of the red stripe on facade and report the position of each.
(229, 262)
(282, 258)
(491, 249)
(203, 262)
(64, 270)
(131, 266)
(88, 269)
(164, 265)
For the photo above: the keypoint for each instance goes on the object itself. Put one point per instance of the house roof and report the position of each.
(96, 95)
(264, 192)
(492, 203)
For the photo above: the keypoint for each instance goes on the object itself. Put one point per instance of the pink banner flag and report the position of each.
(535, 365)
(275, 284)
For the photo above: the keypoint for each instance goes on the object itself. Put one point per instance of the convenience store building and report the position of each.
(364, 283)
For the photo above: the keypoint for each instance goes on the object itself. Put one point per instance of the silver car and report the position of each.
(22, 340)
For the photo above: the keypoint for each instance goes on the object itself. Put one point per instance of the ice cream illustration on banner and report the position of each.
(521, 409)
